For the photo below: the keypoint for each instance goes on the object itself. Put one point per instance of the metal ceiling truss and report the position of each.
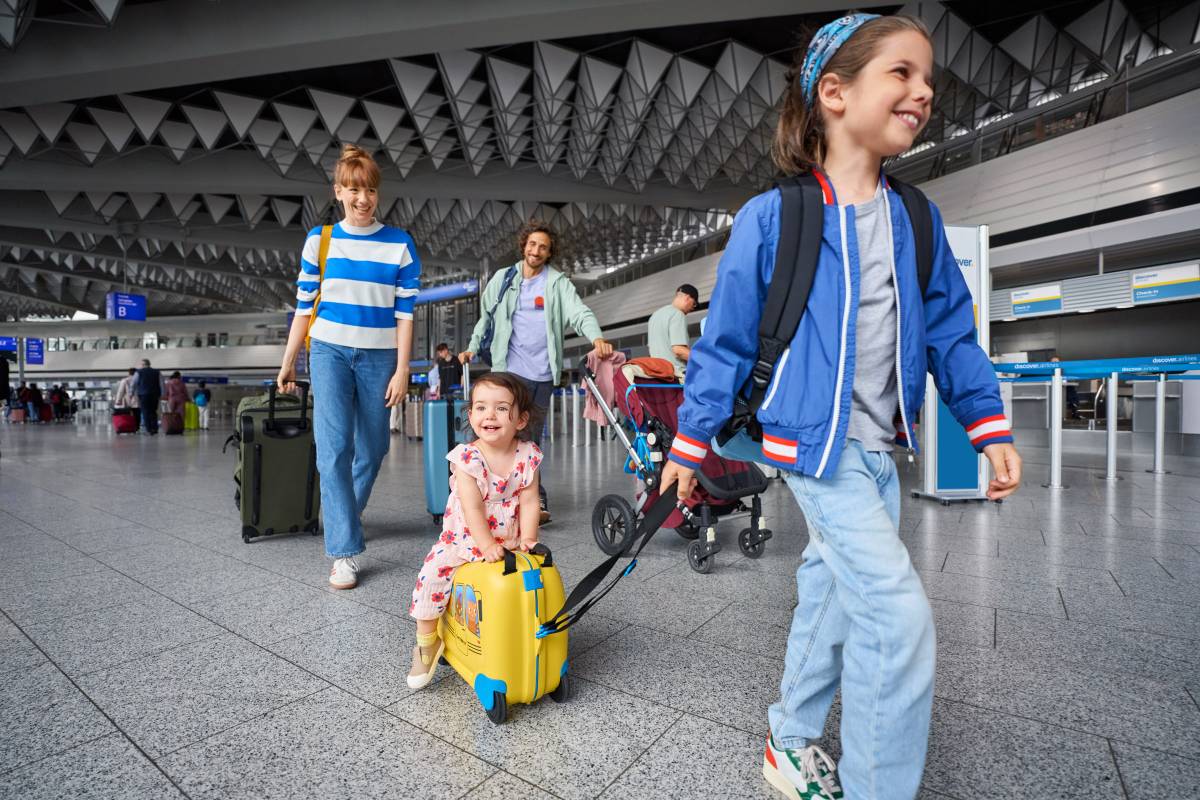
(651, 116)
(979, 81)
(16, 16)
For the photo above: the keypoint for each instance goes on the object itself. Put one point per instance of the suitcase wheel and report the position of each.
(442, 660)
(563, 692)
(245, 539)
(697, 560)
(313, 527)
(498, 713)
(437, 519)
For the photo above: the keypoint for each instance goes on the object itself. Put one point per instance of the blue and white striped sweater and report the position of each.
(372, 276)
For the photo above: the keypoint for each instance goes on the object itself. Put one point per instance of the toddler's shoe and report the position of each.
(804, 774)
(422, 671)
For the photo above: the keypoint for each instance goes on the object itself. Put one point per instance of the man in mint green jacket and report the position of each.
(530, 318)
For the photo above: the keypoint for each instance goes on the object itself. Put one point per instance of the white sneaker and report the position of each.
(344, 574)
(805, 774)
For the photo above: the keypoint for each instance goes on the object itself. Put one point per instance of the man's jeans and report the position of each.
(862, 621)
(351, 428)
(543, 395)
(149, 407)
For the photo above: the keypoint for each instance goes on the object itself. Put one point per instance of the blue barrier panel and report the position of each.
(1095, 368)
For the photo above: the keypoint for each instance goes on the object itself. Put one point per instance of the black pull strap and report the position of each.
(581, 598)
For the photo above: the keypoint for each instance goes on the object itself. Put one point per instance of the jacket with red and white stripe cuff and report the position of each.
(806, 409)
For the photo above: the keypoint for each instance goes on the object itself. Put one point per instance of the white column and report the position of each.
(1160, 424)
(1056, 418)
(576, 416)
(1112, 394)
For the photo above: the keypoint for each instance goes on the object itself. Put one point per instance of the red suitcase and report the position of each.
(172, 423)
(46, 413)
(125, 420)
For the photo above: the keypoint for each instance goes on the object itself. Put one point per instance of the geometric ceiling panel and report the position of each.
(628, 141)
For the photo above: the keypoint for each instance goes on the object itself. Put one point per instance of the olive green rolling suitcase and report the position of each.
(278, 489)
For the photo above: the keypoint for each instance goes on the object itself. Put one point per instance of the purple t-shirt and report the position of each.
(528, 348)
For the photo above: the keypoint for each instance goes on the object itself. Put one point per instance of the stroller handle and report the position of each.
(645, 471)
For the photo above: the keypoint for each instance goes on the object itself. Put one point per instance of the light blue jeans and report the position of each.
(862, 621)
(351, 429)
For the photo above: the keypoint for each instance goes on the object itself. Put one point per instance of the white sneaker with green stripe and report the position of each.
(805, 774)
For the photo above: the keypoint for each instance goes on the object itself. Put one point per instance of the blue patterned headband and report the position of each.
(823, 48)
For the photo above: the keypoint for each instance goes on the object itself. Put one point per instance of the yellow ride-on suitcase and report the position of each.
(491, 628)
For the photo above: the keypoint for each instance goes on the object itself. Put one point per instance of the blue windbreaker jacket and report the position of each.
(806, 410)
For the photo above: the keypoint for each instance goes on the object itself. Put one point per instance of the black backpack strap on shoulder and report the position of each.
(919, 215)
(801, 220)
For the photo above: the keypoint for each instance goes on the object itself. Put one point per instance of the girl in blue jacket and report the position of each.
(847, 388)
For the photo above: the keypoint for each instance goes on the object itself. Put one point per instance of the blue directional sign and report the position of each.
(122, 306)
(35, 352)
(8, 344)
(449, 291)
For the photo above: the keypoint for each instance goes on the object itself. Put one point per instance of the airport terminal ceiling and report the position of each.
(181, 147)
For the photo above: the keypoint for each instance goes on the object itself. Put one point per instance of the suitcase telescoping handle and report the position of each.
(539, 549)
(271, 393)
(582, 598)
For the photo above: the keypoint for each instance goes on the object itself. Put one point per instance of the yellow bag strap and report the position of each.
(322, 254)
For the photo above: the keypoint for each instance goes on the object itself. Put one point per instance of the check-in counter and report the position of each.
(1143, 407)
(1031, 413)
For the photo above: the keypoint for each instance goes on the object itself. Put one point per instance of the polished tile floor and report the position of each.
(145, 651)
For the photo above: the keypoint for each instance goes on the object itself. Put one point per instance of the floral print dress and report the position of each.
(455, 546)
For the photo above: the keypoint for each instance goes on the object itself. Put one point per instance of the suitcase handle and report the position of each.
(271, 395)
(539, 549)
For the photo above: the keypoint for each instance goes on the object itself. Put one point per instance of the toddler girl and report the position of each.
(493, 506)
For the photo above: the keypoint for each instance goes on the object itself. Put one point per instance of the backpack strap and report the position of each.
(919, 215)
(322, 255)
(489, 329)
(801, 220)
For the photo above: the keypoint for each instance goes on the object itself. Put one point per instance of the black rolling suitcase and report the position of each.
(278, 489)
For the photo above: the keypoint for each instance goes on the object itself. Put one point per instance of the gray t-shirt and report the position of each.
(874, 402)
(667, 328)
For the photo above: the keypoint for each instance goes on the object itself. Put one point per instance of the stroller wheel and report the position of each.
(752, 546)
(688, 531)
(613, 524)
(697, 560)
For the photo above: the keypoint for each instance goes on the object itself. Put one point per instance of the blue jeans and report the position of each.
(351, 429)
(862, 621)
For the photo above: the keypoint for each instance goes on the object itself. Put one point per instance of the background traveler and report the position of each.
(667, 330)
(148, 386)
